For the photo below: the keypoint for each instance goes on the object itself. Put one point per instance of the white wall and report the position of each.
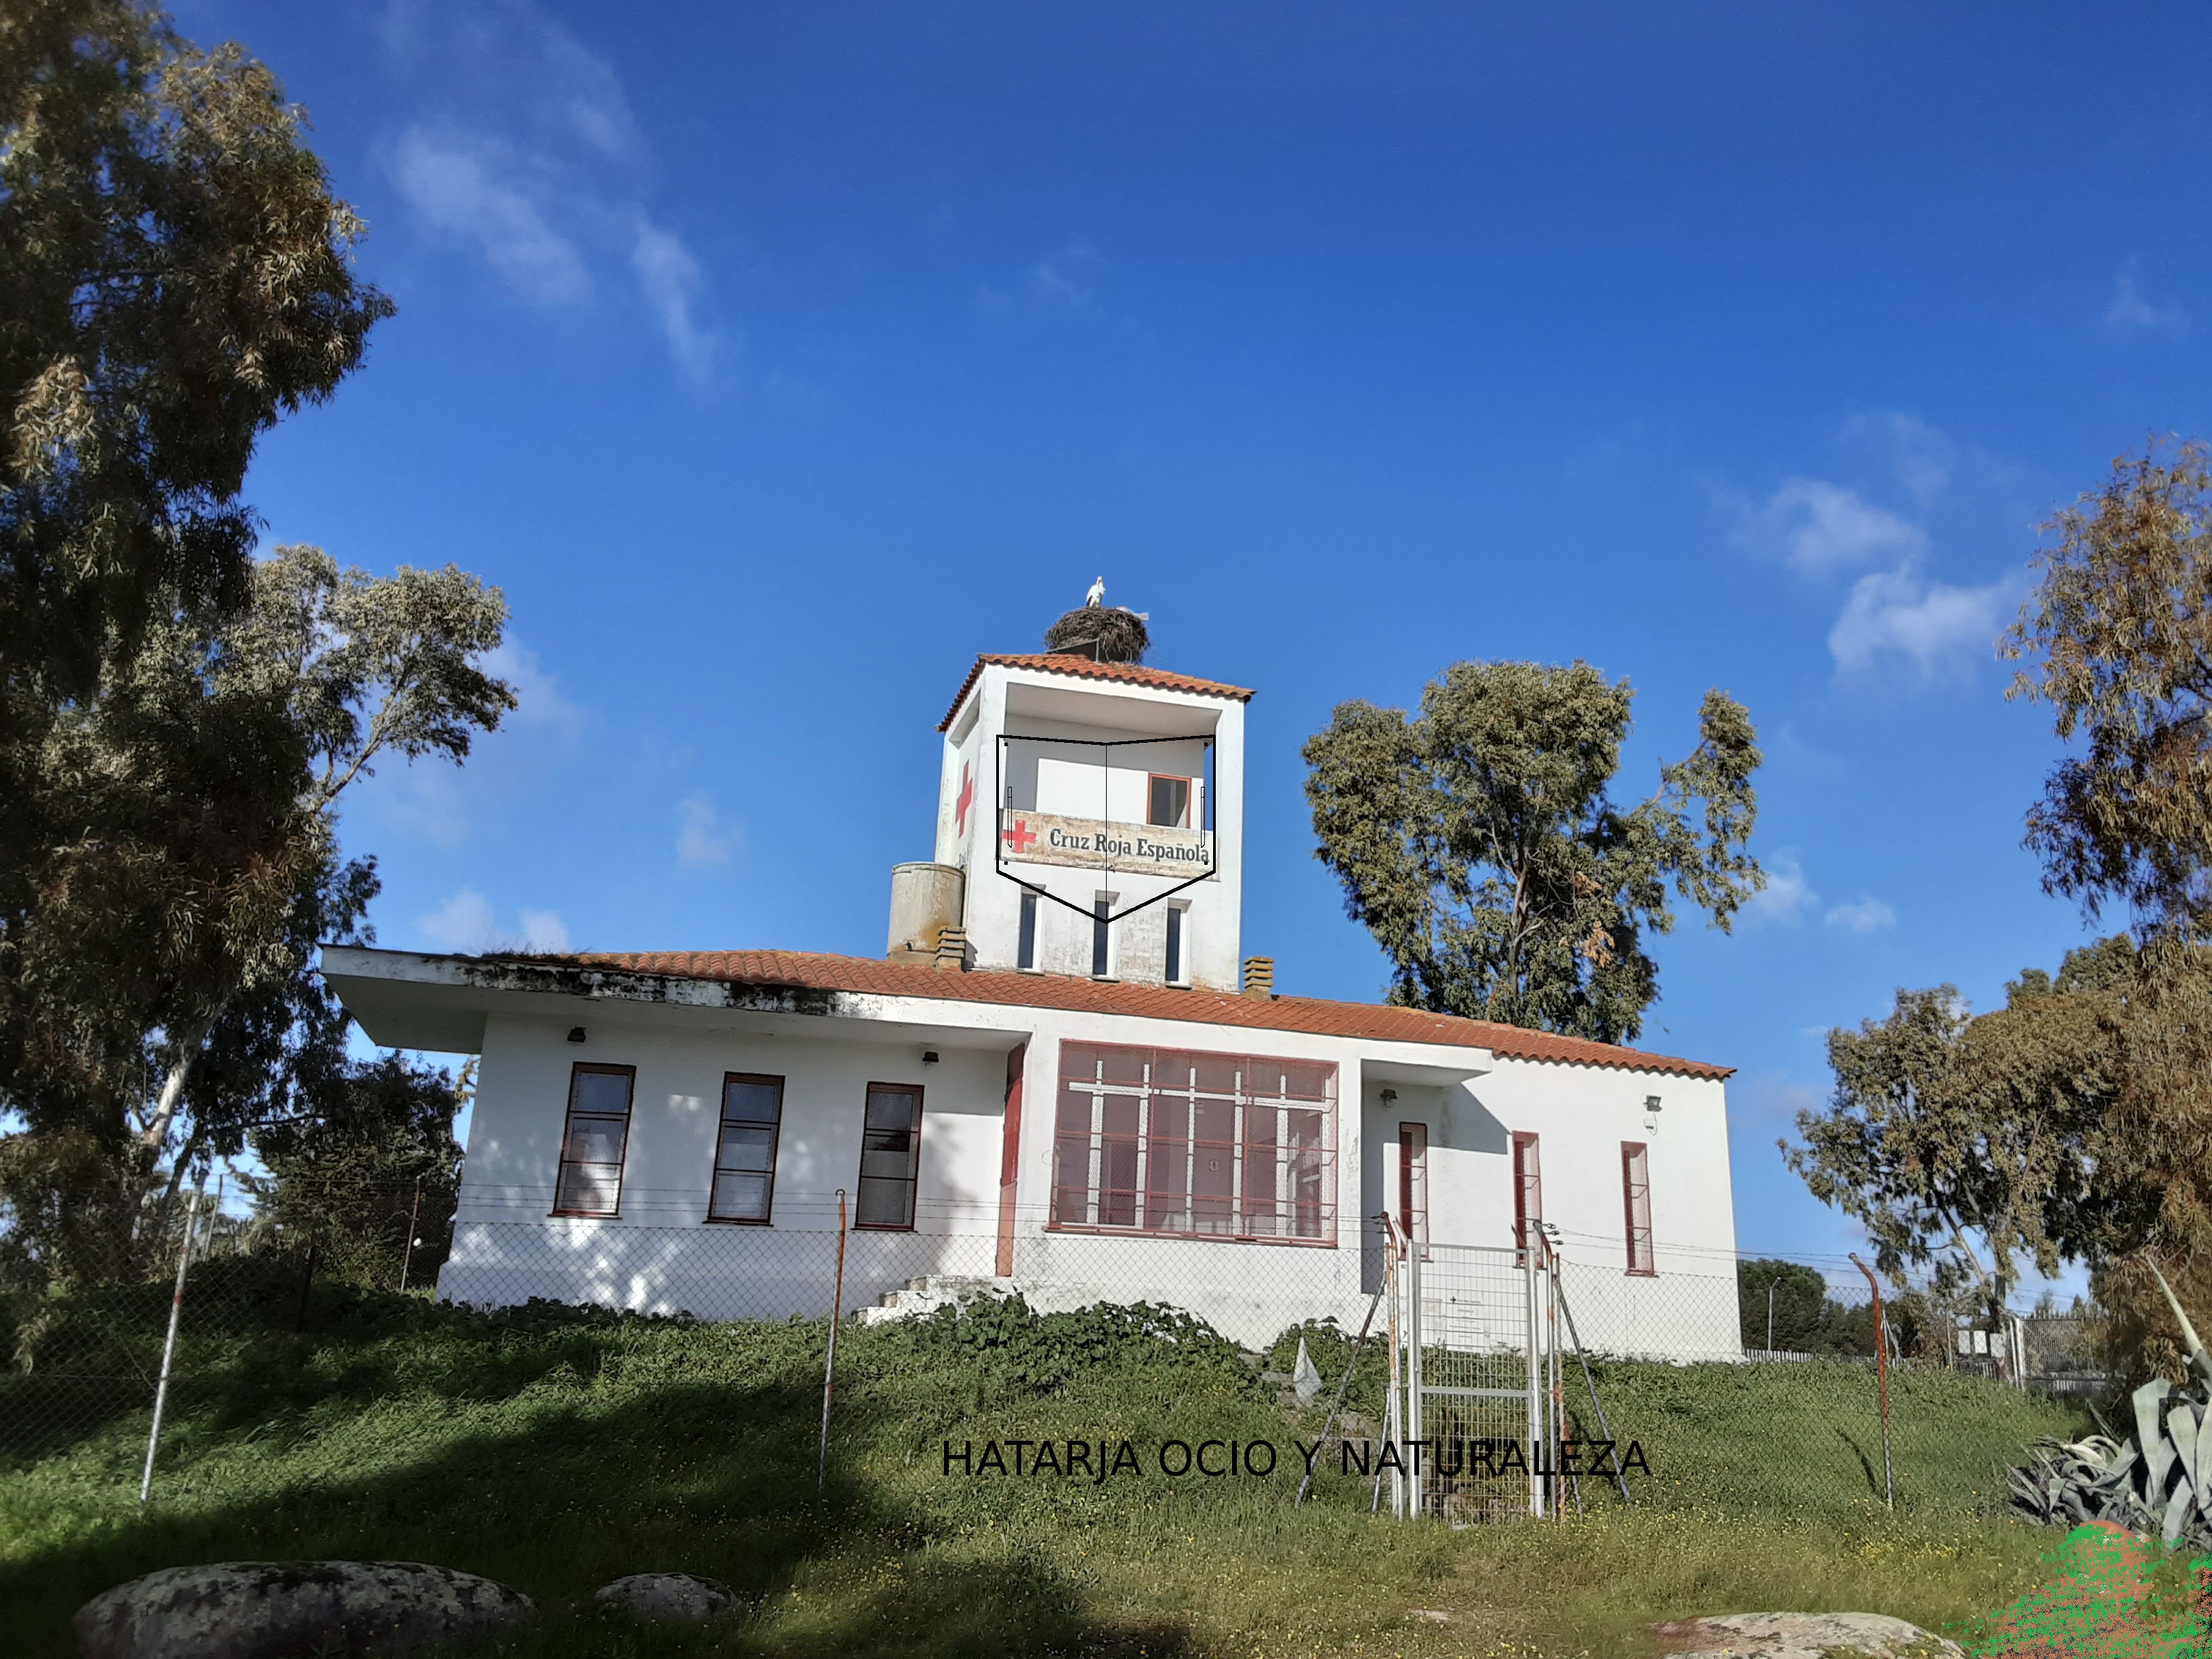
(1581, 1115)
(660, 1254)
(1065, 778)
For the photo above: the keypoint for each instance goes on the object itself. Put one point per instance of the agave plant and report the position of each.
(2159, 1479)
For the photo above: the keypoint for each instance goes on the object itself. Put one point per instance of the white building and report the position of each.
(1063, 1074)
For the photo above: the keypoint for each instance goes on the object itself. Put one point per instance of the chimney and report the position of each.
(1259, 977)
(952, 951)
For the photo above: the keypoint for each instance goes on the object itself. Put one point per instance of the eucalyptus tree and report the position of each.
(157, 992)
(2118, 639)
(1479, 843)
(1974, 1146)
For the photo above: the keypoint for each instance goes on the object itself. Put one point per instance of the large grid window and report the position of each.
(593, 1139)
(1635, 1199)
(890, 1156)
(1527, 1188)
(745, 1150)
(1158, 1140)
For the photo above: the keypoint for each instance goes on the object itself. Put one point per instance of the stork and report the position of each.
(1097, 596)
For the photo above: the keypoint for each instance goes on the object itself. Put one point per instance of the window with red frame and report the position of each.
(1413, 1182)
(1635, 1199)
(1168, 802)
(593, 1140)
(1160, 1140)
(1527, 1188)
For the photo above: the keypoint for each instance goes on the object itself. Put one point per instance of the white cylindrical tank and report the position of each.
(925, 900)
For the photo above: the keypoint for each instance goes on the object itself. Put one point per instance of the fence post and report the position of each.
(1417, 1488)
(830, 1361)
(1881, 1371)
(169, 1342)
(1529, 1361)
(414, 1215)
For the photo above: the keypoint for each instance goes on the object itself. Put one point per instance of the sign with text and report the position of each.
(1026, 837)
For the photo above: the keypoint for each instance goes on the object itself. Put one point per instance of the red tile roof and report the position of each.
(869, 976)
(1129, 673)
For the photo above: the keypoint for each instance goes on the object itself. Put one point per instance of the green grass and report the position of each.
(554, 1451)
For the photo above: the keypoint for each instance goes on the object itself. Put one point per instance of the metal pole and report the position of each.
(1882, 1370)
(1418, 1489)
(829, 1362)
(407, 1259)
(1390, 1404)
(1567, 1308)
(1344, 1382)
(1557, 1404)
(169, 1343)
(1528, 1358)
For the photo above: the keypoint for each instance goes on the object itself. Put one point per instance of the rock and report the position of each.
(674, 1597)
(277, 1609)
(1802, 1636)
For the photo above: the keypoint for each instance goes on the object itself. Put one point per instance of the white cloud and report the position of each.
(1938, 629)
(1059, 276)
(669, 276)
(1865, 915)
(1787, 895)
(701, 838)
(1818, 528)
(466, 923)
(525, 150)
(544, 930)
(424, 798)
(1773, 1096)
(1923, 458)
(463, 923)
(2130, 309)
(539, 698)
(472, 190)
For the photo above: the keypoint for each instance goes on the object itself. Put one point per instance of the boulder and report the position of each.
(277, 1609)
(672, 1597)
(1802, 1636)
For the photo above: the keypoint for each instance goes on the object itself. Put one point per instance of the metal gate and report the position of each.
(1474, 1379)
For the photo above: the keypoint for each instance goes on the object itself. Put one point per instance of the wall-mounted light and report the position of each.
(576, 1034)
(929, 1056)
(1651, 1111)
(1389, 1094)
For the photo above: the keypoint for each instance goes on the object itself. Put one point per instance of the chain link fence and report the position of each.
(1667, 1369)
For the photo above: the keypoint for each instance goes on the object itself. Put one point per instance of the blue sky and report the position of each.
(775, 359)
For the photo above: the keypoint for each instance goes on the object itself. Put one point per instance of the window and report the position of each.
(1225, 1146)
(1528, 1188)
(744, 1152)
(1178, 965)
(1025, 952)
(1101, 937)
(1635, 1197)
(593, 1139)
(1414, 1182)
(1169, 802)
(890, 1156)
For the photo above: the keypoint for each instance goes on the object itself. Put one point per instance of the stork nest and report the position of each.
(1104, 633)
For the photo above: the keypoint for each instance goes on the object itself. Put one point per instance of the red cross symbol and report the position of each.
(967, 798)
(1019, 837)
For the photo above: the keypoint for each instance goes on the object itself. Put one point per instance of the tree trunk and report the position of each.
(173, 1086)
